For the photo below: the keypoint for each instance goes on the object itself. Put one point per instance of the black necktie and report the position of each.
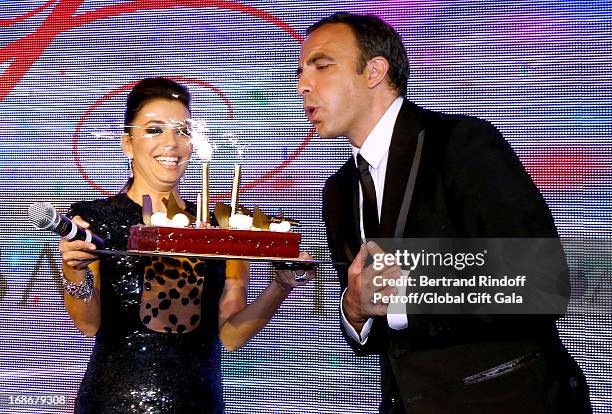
(369, 207)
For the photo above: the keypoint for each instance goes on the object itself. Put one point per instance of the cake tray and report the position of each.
(281, 262)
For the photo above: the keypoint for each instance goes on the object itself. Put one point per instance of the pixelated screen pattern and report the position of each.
(539, 70)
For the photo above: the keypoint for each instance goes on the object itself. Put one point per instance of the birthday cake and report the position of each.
(214, 240)
(239, 233)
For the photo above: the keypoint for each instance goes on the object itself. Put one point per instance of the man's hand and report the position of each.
(358, 303)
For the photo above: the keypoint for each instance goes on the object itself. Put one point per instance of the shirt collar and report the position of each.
(377, 143)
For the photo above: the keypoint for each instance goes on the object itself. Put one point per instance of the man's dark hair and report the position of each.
(374, 38)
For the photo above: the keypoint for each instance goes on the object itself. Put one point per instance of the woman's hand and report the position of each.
(75, 254)
(290, 279)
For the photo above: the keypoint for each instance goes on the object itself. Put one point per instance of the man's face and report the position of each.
(335, 96)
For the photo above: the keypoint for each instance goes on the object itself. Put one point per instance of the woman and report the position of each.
(138, 364)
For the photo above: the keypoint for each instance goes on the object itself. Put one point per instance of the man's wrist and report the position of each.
(349, 304)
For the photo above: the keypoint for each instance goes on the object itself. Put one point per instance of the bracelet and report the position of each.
(82, 290)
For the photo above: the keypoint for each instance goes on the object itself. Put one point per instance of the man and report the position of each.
(416, 173)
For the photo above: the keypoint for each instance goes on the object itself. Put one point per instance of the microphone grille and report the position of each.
(42, 214)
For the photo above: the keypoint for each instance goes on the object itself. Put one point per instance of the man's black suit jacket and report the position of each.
(469, 184)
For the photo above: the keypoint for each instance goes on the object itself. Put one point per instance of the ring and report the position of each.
(299, 278)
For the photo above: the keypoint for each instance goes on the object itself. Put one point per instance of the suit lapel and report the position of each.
(401, 154)
(348, 223)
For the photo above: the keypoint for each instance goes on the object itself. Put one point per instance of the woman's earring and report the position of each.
(129, 166)
(130, 180)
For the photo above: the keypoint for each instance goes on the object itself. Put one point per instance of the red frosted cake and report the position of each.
(213, 240)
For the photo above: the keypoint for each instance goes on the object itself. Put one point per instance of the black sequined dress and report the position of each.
(134, 369)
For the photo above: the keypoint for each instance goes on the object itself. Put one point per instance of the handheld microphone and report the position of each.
(45, 217)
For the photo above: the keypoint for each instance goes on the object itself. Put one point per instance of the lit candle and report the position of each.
(198, 222)
(204, 213)
(235, 186)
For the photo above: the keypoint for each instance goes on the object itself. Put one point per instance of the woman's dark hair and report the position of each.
(149, 89)
(374, 38)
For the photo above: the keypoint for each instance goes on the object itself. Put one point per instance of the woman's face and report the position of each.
(159, 144)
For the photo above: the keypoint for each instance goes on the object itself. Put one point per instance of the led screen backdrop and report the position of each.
(539, 70)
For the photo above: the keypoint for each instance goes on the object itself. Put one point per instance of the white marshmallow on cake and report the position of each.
(282, 227)
(240, 222)
(179, 220)
(159, 219)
